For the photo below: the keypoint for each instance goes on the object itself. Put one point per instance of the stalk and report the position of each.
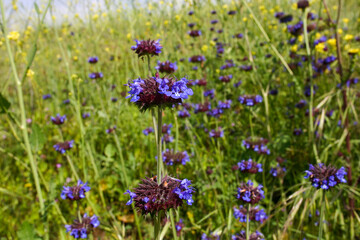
(322, 202)
(248, 222)
(23, 125)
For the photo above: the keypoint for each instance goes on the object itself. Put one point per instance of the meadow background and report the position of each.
(50, 52)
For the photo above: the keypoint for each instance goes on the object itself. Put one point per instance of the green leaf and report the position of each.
(4, 104)
(27, 232)
(37, 8)
(110, 150)
(37, 138)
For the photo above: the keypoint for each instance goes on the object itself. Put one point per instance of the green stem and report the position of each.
(78, 211)
(23, 126)
(322, 212)
(173, 224)
(159, 154)
(149, 65)
(248, 222)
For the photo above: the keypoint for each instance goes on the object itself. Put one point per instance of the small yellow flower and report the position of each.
(332, 42)
(30, 73)
(348, 37)
(128, 36)
(217, 70)
(294, 6)
(28, 185)
(335, 7)
(244, 19)
(166, 22)
(317, 35)
(75, 58)
(53, 18)
(107, 49)
(345, 20)
(204, 48)
(177, 17)
(294, 48)
(225, 6)
(148, 23)
(347, 47)
(14, 35)
(161, 2)
(158, 35)
(15, 7)
(104, 14)
(76, 15)
(320, 47)
(212, 43)
(95, 17)
(74, 76)
(1, 43)
(301, 38)
(353, 51)
(340, 31)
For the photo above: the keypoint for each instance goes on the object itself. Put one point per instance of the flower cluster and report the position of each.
(76, 192)
(250, 100)
(166, 67)
(93, 60)
(151, 197)
(250, 194)
(81, 229)
(278, 171)
(148, 130)
(325, 177)
(156, 91)
(242, 236)
(255, 214)
(171, 158)
(226, 78)
(96, 75)
(257, 144)
(216, 133)
(183, 113)
(202, 107)
(58, 120)
(249, 166)
(147, 47)
(197, 58)
(62, 147)
(194, 33)
(224, 105)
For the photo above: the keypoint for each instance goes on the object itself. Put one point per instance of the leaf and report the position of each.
(37, 138)
(4, 104)
(37, 8)
(110, 150)
(27, 232)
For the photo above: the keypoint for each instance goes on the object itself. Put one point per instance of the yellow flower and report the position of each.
(76, 15)
(347, 47)
(317, 35)
(177, 17)
(353, 51)
(225, 6)
(340, 31)
(128, 36)
(74, 76)
(104, 14)
(15, 7)
(95, 17)
(204, 48)
(335, 7)
(217, 70)
(158, 35)
(53, 18)
(107, 49)
(161, 2)
(301, 38)
(294, 6)
(332, 42)
(320, 47)
(345, 20)
(1, 43)
(244, 19)
(212, 43)
(166, 22)
(348, 37)
(14, 35)
(75, 58)
(28, 185)
(294, 48)
(30, 73)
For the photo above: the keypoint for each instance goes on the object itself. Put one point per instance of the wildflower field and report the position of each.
(183, 119)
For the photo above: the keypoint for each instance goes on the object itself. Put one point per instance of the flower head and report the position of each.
(76, 192)
(250, 100)
(255, 214)
(81, 229)
(96, 75)
(156, 91)
(225, 79)
(62, 147)
(179, 226)
(151, 197)
(242, 236)
(202, 107)
(170, 157)
(325, 177)
(249, 194)
(148, 130)
(58, 120)
(197, 58)
(216, 133)
(194, 33)
(278, 171)
(183, 113)
(93, 60)
(166, 67)
(250, 166)
(147, 48)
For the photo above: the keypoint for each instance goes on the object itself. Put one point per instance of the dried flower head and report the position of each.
(151, 197)
(147, 48)
(250, 194)
(76, 192)
(156, 91)
(256, 214)
(325, 177)
(81, 229)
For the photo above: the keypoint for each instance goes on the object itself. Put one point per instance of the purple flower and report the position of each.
(148, 130)
(224, 105)
(250, 194)
(62, 147)
(249, 166)
(132, 196)
(225, 79)
(255, 214)
(46, 96)
(183, 113)
(216, 133)
(194, 33)
(197, 58)
(147, 48)
(81, 228)
(210, 93)
(58, 120)
(170, 157)
(93, 60)
(325, 177)
(96, 75)
(166, 67)
(250, 100)
(76, 192)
